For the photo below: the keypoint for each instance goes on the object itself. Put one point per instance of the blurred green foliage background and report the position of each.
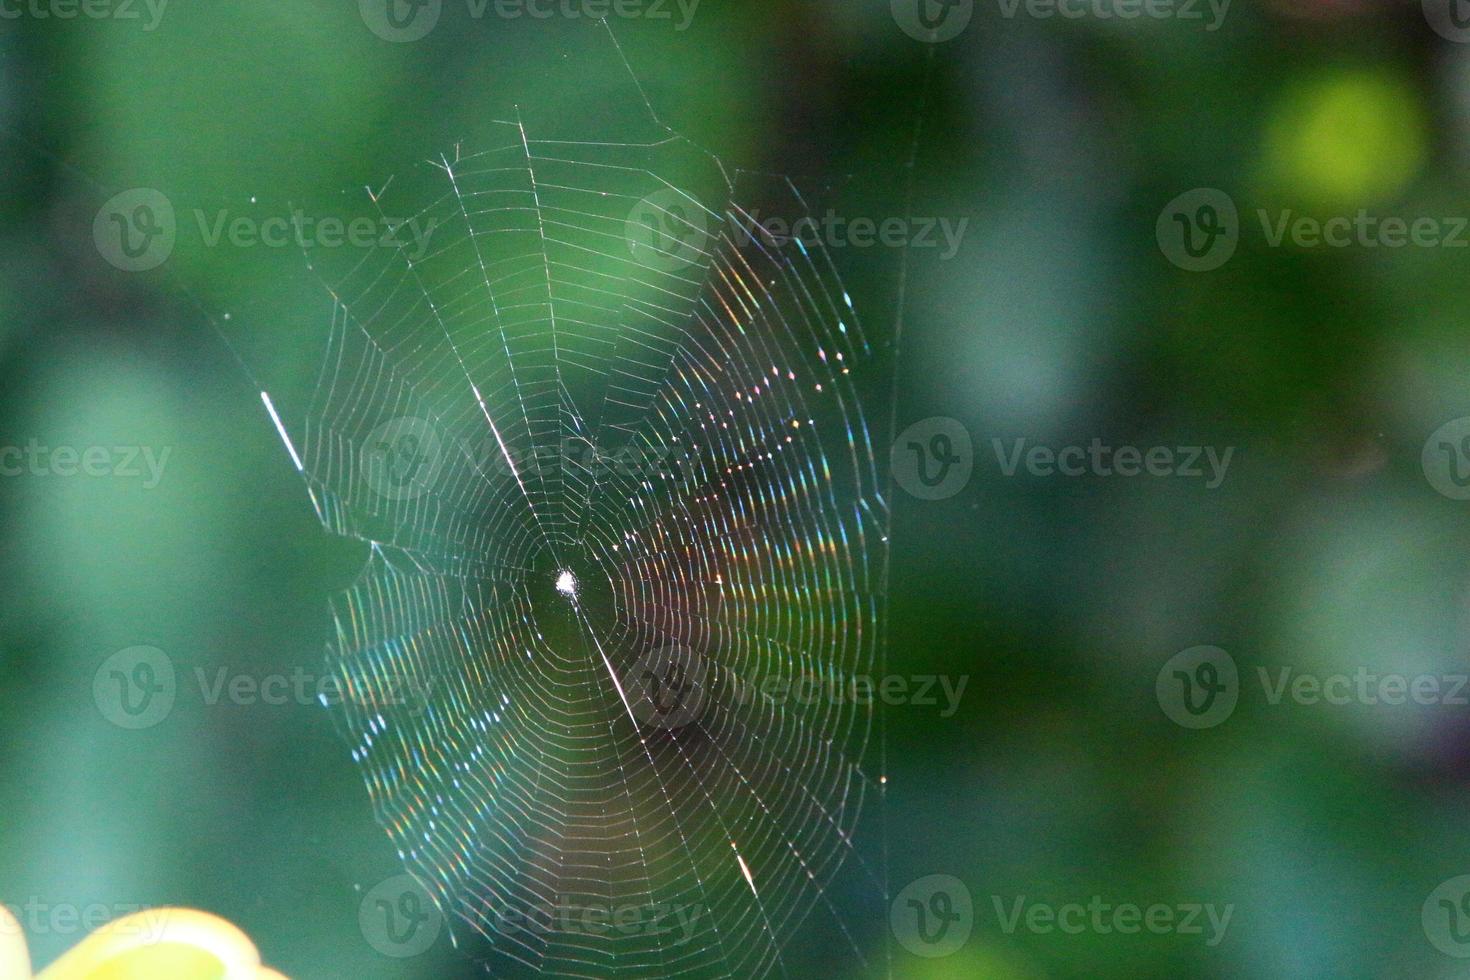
(1060, 320)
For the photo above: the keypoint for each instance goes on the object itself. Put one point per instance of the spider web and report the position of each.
(627, 552)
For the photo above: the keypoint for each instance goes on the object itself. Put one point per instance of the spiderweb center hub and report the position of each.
(569, 594)
(566, 583)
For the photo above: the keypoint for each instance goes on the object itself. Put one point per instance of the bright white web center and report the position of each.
(566, 583)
